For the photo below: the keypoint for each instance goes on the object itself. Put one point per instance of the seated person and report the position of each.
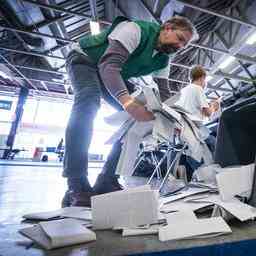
(194, 101)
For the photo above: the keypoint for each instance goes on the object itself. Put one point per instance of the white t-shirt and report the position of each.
(132, 41)
(193, 99)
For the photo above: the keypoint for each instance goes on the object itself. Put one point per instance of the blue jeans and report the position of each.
(88, 89)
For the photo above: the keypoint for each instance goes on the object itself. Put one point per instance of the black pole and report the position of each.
(15, 123)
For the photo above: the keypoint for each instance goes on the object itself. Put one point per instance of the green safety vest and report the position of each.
(140, 62)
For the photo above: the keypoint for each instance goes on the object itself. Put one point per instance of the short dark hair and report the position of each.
(181, 23)
(197, 72)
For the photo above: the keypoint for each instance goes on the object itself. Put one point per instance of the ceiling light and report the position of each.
(2, 74)
(251, 39)
(226, 62)
(95, 27)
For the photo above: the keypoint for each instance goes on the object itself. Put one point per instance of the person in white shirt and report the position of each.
(194, 101)
(193, 98)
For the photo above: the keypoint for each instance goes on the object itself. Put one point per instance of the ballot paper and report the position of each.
(240, 210)
(70, 212)
(128, 208)
(120, 132)
(81, 215)
(183, 194)
(212, 186)
(139, 231)
(182, 205)
(155, 104)
(117, 118)
(152, 98)
(58, 233)
(235, 181)
(187, 228)
(182, 215)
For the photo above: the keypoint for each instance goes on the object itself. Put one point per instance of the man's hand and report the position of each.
(215, 105)
(135, 109)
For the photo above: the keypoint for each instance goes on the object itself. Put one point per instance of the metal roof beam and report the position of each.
(218, 14)
(62, 10)
(41, 70)
(38, 34)
(31, 53)
(220, 73)
(20, 73)
(221, 51)
(148, 10)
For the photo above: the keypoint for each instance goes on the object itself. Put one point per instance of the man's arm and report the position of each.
(110, 66)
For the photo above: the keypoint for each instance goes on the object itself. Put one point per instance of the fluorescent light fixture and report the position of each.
(95, 27)
(208, 78)
(57, 80)
(252, 39)
(2, 74)
(226, 62)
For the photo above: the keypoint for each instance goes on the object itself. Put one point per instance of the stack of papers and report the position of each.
(128, 208)
(59, 233)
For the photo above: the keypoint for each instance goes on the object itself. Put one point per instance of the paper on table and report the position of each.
(43, 215)
(139, 188)
(235, 181)
(191, 228)
(211, 186)
(183, 215)
(183, 194)
(183, 206)
(66, 232)
(125, 209)
(151, 230)
(238, 209)
(55, 214)
(82, 215)
(59, 233)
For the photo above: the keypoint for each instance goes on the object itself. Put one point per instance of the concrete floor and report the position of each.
(26, 189)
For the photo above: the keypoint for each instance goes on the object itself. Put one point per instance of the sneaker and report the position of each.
(105, 184)
(66, 201)
(81, 198)
(72, 198)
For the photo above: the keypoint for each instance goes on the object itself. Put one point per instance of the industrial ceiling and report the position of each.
(35, 38)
